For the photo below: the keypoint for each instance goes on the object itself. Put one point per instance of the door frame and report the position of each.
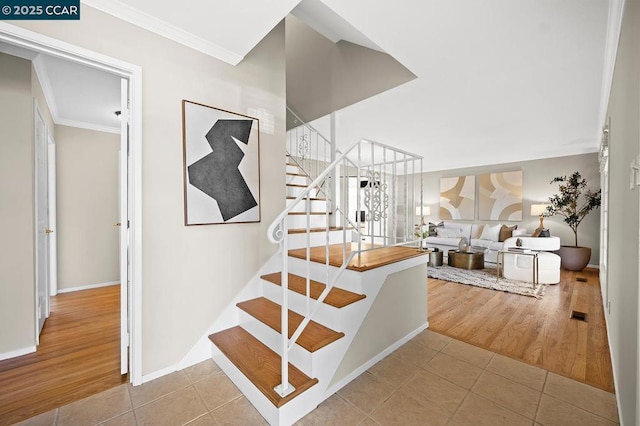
(40, 43)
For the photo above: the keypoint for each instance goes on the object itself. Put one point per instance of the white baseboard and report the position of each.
(373, 361)
(19, 352)
(156, 374)
(88, 287)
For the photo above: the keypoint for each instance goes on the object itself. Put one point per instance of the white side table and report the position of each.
(500, 263)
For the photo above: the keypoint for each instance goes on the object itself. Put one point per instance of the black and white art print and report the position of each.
(221, 166)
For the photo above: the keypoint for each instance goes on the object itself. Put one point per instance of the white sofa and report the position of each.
(485, 237)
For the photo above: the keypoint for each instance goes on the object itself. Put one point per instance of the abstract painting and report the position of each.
(221, 152)
(457, 198)
(500, 196)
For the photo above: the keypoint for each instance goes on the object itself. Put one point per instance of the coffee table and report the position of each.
(466, 259)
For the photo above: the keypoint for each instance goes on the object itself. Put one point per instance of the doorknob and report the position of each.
(117, 224)
(48, 231)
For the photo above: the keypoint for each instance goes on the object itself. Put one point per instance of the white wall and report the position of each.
(189, 273)
(87, 183)
(536, 175)
(17, 298)
(623, 279)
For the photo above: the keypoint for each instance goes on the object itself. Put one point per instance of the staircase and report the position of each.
(289, 342)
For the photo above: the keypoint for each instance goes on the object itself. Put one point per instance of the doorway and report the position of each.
(131, 284)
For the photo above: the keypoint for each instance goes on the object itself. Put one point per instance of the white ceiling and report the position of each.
(497, 81)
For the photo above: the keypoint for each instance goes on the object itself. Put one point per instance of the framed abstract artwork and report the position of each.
(221, 154)
(500, 196)
(457, 197)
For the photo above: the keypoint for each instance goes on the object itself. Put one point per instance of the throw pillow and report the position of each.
(491, 232)
(506, 232)
(432, 228)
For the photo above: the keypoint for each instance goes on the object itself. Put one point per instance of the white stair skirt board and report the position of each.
(18, 352)
(87, 286)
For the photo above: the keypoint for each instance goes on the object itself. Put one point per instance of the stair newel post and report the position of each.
(284, 388)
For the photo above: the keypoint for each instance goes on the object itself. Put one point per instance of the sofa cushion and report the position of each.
(464, 228)
(506, 232)
(491, 232)
(442, 241)
(445, 232)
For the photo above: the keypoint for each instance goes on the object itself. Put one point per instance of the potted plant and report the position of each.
(574, 202)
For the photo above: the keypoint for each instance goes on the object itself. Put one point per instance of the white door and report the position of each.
(124, 226)
(53, 239)
(42, 222)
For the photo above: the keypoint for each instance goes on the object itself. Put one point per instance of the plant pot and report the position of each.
(574, 258)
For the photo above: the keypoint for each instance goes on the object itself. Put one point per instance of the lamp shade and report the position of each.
(538, 209)
(423, 211)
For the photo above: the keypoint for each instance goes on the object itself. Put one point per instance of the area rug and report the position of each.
(485, 278)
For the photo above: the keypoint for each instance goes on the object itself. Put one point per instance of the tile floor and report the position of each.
(431, 380)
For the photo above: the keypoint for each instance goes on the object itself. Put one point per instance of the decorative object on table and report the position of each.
(541, 211)
(457, 197)
(519, 242)
(574, 202)
(485, 278)
(463, 245)
(221, 151)
(500, 196)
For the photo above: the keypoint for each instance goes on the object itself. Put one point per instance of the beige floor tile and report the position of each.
(478, 411)
(127, 419)
(415, 353)
(587, 397)
(217, 390)
(367, 392)
(459, 372)
(517, 371)
(404, 410)
(176, 408)
(553, 412)
(393, 370)
(157, 388)
(238, 412)
(427, 386)
(509, 394)
(206, 420)
(97, 408)
(333, 411)
(202, 370)
(433, 340)
(468, 353)
(44, 419)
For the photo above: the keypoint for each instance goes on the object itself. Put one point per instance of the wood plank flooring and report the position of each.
(536, 331)
(363, 262)
(78, 356)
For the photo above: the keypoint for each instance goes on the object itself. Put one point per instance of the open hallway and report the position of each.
(78, 356)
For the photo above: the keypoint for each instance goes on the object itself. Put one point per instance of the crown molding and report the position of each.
(143, 20)
(87, 126)
(45, 83)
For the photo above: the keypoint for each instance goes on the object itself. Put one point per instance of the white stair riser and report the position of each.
(300, 221)
(298, 356)
(315, 239)
(294, 191)
(293, 169)
(326, 315)
(314, 206)
(349, 280)
(297, 180)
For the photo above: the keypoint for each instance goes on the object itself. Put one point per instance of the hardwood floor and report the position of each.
(78, 356)
(536, 331)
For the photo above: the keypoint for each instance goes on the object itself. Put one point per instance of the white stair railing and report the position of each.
(380, 186)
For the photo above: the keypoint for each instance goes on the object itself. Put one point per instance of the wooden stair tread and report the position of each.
(310, 199)
(296, 174)
(337, 297)
(259, 364)
(304, 230)
(314, 336)
(293, 185)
